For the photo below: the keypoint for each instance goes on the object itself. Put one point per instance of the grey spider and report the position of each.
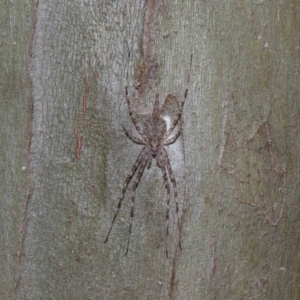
(154, 136)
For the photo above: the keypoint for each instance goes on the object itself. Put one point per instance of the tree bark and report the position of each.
(15, 120)
(66, 156)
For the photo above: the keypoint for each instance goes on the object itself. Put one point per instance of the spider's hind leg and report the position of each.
(173, 180)
(167, 186)
(134, 187)
(128, 178)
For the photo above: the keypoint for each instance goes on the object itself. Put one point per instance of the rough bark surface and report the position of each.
(66, 156)
(15, 113)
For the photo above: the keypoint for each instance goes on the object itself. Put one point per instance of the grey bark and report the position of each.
(65, 65)
(15, 114)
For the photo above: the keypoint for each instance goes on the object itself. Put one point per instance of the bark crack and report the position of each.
(23, 223)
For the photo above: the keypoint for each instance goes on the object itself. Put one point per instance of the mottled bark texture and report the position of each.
(65, 157)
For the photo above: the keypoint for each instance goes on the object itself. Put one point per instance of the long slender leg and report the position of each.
(171, 174)
(128, 178)
(134, 187)
(138, 128)
(172, 139)
(173, 180)
(167, 186)
(149, 163)
(133, 138)
(181, 104)
(169, 131)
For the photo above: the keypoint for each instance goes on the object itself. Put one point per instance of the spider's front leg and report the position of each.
(181, 103)
(133, 138)
(178, 116)
(134, 121)
(172, 139)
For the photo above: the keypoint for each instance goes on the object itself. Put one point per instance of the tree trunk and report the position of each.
(65, 65)
(15, 120)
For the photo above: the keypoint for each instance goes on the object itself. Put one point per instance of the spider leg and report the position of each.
(138, 128)
(181, 104)
(167, 186)
(133, 138)
(173, 180)
(169, 131)
(128, 178)
(172, 139)
(134, 187)
(149, 163)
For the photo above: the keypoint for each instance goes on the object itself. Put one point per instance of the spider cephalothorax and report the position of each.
(154, 135)
(154, 130)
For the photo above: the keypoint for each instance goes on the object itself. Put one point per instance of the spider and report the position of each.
(154, 136)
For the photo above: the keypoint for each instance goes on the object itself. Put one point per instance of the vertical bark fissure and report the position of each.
(147, 64)
(29, 187)
(145, 70)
